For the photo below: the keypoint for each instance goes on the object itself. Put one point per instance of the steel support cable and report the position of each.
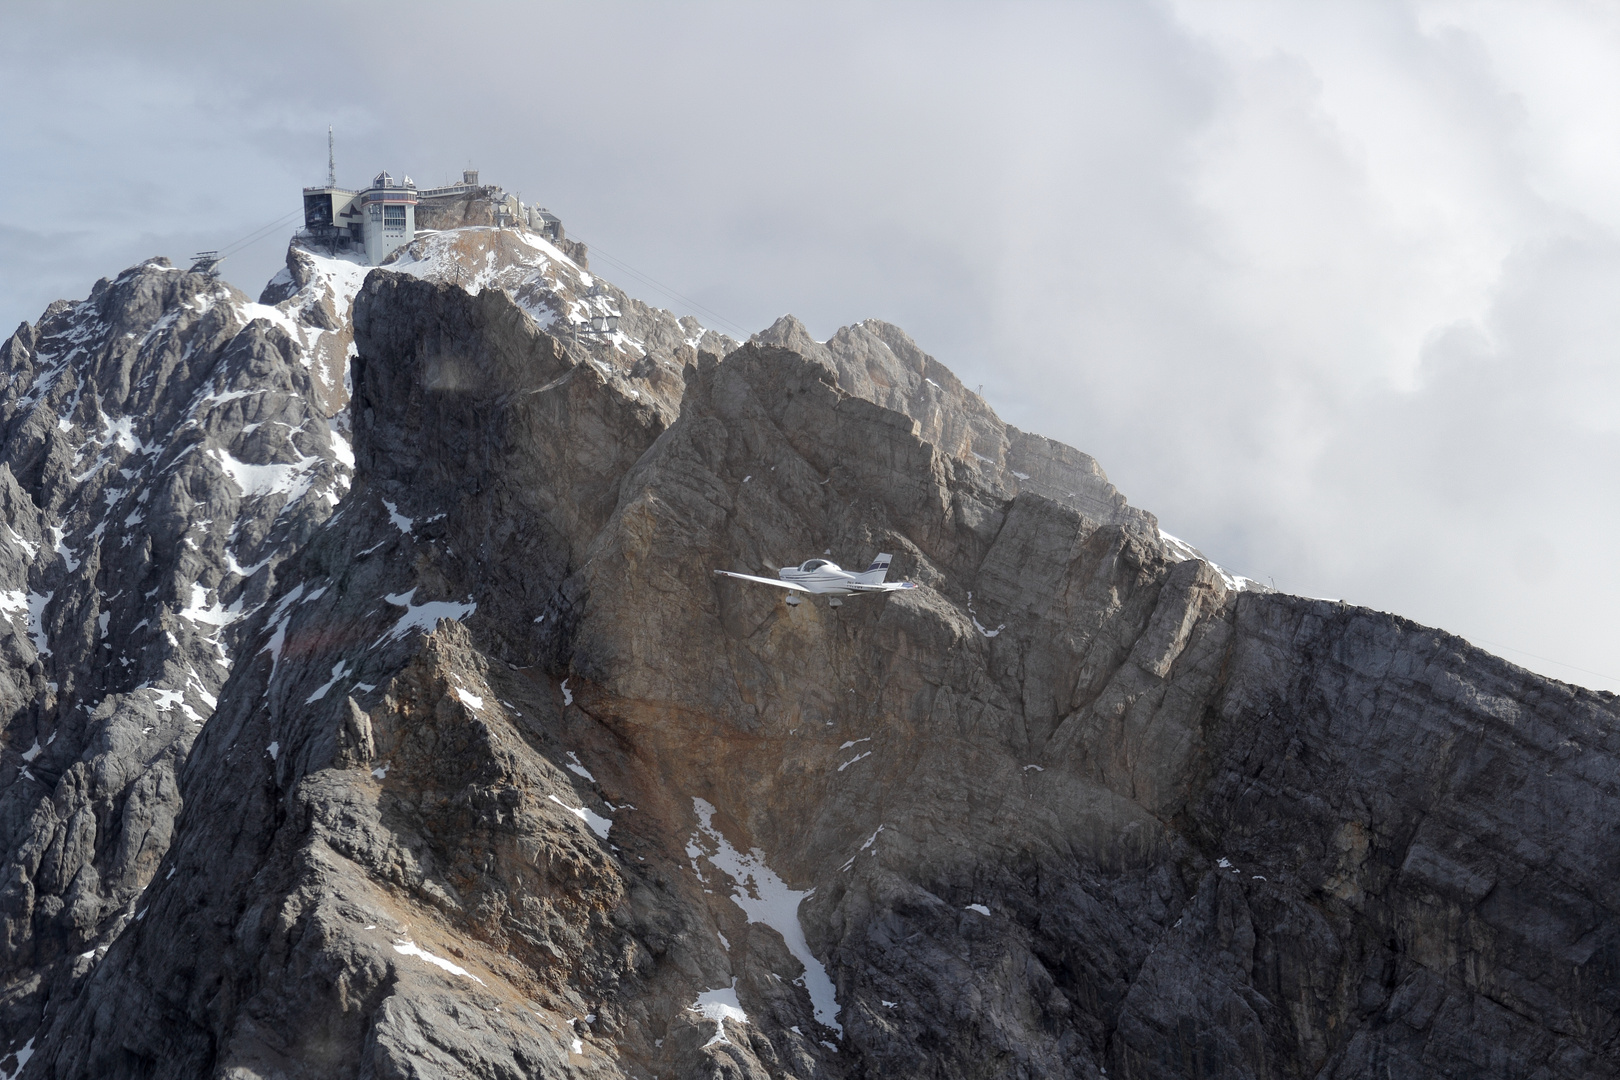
(742, 335)
(259, 234)
(1545, 659)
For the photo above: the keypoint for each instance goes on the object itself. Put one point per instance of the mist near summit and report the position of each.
(1330, 289)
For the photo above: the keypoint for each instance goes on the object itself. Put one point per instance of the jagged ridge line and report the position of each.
(665, 289)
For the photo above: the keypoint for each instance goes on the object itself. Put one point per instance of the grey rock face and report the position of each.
(473, 206)
(647, 351)
(164, 446)
(877, 361)
(484, 207)
(505, 782)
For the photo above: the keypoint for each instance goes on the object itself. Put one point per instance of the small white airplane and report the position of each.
(826, 578)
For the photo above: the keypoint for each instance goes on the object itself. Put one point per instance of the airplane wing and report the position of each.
(778, 582)
(889, 586)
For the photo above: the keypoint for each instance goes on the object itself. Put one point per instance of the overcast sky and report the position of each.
(1333, 289)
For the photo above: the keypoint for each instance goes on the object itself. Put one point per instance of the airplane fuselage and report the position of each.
(822, 577)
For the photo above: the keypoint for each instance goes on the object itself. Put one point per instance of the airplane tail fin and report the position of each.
(874, 574)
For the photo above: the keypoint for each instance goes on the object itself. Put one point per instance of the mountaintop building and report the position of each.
(380, 219)
(384, 217)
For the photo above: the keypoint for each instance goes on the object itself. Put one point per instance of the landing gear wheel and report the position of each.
(793, 601)
(833, 601)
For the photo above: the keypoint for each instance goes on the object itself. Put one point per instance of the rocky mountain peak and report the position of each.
(371, 707)
(878, 362)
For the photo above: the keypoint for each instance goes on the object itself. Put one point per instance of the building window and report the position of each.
(394, 218)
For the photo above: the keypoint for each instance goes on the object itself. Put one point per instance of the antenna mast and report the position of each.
(331, 160)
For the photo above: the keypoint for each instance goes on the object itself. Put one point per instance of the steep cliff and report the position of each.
(166, 445)
(504, 781)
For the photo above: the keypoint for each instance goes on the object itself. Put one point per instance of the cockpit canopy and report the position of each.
(819, 564)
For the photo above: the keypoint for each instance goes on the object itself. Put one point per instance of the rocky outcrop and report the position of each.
(489, 207)
(508, 783)
(472, 206)
(646, 350)
(877, 361)
(166, 446)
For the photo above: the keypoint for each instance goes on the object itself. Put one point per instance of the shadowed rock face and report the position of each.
(507, 783)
